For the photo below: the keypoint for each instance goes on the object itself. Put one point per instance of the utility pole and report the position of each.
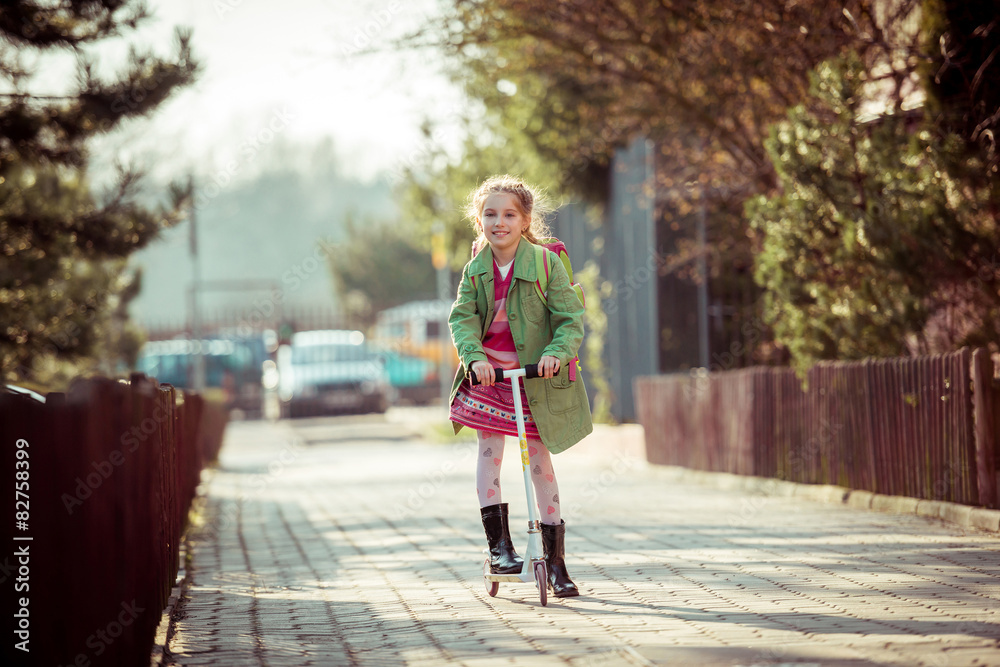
(702, 285)
(198, 366)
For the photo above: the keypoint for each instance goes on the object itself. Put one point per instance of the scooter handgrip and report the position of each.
(474, 379)
(531, 371)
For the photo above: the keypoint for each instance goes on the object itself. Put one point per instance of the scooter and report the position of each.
(534, 567)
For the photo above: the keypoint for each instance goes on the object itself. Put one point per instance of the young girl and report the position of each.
(499, 320)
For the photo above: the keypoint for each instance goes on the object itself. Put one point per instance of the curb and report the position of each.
(966, 516)
(159, 654)
(630, 439)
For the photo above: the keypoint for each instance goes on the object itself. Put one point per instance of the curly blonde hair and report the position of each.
(530, 202)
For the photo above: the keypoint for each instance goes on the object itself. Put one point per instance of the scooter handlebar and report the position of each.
(530, 371)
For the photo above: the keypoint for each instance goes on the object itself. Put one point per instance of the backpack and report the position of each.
(542, 280)
(542, 268)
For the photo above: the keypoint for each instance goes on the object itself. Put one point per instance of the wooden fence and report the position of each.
(922, 427)
(106, 474)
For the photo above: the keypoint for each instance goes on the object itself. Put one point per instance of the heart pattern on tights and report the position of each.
(488, 453)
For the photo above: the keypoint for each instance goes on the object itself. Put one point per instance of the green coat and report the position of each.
(559, 406)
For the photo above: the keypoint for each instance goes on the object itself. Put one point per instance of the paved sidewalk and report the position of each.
(360, 545)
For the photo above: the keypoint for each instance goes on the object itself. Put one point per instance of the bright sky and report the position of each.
(286, 73)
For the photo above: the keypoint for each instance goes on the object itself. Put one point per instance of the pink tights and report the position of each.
(542, 475)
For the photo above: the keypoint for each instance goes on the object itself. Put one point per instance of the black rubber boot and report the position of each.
(554, 542)
(503, 559)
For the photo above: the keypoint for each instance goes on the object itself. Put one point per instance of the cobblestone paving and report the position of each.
(356, 544)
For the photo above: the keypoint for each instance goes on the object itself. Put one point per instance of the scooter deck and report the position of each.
(526, 574)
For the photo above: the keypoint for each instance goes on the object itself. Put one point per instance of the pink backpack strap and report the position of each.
(542, 285)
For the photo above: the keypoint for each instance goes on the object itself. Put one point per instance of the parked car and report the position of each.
(21, 392)
(238, 369)
(413, 379)
(329, 372)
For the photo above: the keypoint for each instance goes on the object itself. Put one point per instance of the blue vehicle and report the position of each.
(239, 370)
(412, 378)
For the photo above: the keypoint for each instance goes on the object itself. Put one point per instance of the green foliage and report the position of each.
(575, 79)
(435, 191)
(592, 355)
(378, 267)
(589, 75)
(875, 235)
(64, 287)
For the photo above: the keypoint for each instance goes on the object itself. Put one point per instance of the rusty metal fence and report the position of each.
(922, 427)
(104, 476)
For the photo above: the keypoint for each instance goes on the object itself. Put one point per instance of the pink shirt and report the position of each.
(498, 343)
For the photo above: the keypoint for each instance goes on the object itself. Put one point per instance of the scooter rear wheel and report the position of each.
(492, 587)
(542, 581)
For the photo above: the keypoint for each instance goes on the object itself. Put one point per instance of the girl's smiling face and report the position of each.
(502, 222)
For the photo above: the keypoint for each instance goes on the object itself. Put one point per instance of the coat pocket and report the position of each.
(531, 305)
(560, 393)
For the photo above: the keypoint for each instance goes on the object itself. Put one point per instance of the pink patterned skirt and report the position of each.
(491, 409)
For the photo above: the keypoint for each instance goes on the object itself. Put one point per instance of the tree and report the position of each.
(63, 273)
(704, 80)
(876, 245)
(436, 190)
(962, 38)
(378, 268)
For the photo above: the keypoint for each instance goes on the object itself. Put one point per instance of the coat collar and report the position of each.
(524, 261)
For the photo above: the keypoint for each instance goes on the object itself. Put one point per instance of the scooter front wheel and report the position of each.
(492, 587)
(542, 581)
